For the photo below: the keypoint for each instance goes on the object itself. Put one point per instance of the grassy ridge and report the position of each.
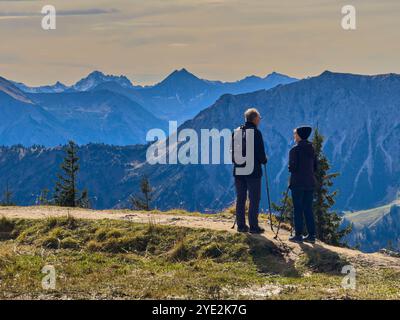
(119, 259)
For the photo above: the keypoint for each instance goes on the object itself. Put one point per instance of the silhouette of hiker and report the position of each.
(302, 166)
(248, 173)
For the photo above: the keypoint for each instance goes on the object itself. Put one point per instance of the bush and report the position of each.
(69, 243)
(114, 233)
(211, 251)
(180, 252)
(137, 243)
(51, 222)
(69, 222)
(51, 242)
(6, 225)
(6, 229)
(93, 246)
(101, 234)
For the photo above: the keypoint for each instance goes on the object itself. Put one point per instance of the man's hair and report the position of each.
(251, 114)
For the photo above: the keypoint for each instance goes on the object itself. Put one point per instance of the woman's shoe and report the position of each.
(243, 229)
(257, 230)
(296, 239)
(309, 239)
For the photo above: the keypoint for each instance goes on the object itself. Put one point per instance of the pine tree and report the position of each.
(65, 193)
(327, 222)
(7, 196)
(143, 202)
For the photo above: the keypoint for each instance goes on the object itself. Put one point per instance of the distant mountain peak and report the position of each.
(182, 73)
(327, 73)
(181, 78)
(59, 86)
(96, 77)
(276, 75)
(183, 70)
(96, 73)
(252, 77)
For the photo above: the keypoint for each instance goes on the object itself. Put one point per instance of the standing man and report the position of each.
(302, 166)
(248, 145)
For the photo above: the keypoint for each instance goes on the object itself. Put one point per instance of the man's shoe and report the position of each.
(257, 230)
(243, 229)
(296, 239)
(309, 239)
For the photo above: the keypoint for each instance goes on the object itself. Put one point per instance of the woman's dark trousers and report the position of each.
(302, 203)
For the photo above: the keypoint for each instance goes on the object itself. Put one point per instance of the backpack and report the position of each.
(237, 135)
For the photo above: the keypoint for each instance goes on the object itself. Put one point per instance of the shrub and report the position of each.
(69, 243)
(180, 252)
(51, 222)
(211, 251)
(51, 242)
(101, 234)
(93, 246)
(70, 222)
(6, 229)
(114, 233)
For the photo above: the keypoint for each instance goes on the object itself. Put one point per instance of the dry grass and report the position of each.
(121, 260)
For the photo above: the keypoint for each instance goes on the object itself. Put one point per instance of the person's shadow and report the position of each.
(322, 260)
(269, 258)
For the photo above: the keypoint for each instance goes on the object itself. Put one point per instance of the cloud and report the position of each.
(82, 12)
(87, 12)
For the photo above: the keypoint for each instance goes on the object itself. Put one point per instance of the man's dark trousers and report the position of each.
(302, 203)
(253, 186)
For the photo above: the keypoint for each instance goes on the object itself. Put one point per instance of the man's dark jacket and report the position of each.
(303, 164)
(259, 153)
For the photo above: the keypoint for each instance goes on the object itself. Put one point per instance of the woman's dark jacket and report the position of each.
(303, 164)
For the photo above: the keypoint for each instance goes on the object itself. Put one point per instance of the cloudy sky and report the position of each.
(215, 39)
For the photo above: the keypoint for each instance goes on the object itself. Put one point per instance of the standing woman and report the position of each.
(302, 166)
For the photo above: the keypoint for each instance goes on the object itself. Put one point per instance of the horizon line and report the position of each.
(138, 84)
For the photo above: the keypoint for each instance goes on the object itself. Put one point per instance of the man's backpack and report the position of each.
(238, 135)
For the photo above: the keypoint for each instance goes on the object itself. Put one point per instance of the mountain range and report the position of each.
(180, 96)
(358, 116)
(51, 119)
(108, 109)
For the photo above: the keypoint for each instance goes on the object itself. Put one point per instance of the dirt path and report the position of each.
(215, 223)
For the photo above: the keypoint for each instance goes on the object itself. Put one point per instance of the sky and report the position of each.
(214, 39)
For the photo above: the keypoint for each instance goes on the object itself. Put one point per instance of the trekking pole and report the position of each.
(268, 197)
(234, 224)
(283, 213)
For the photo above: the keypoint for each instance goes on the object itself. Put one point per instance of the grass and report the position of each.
(103, 259)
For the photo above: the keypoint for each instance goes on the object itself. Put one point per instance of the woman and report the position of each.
(302, 166)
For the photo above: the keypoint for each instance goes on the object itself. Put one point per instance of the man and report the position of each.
(248, 173)
(302, 166)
